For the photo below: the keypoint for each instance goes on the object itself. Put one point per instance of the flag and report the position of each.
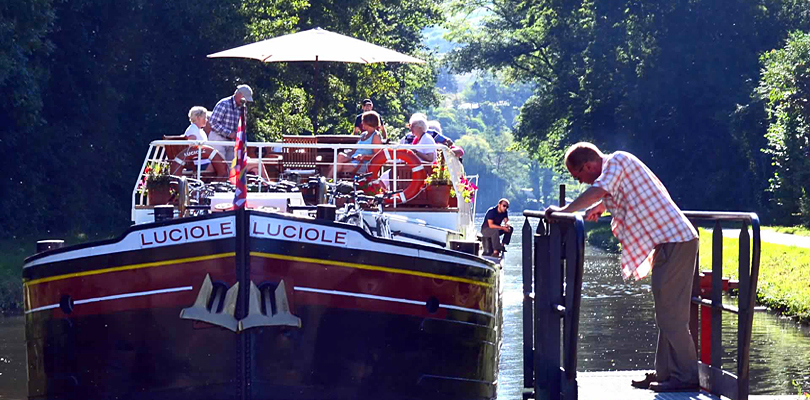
(238, 175)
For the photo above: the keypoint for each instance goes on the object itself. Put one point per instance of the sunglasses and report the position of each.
(505, 206)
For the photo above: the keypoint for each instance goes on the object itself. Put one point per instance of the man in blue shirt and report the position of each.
(496, 223)
(368, 106)
(224, 119)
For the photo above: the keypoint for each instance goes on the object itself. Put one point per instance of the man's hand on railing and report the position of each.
(551, 210)
(592, 214)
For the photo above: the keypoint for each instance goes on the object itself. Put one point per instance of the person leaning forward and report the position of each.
(225, 119)
(656, 237)
(496, 223)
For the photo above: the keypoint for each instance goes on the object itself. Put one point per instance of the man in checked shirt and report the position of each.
(225, 119)
(656, 237)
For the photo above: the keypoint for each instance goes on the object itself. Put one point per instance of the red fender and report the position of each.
(411, 161)
(187, 157)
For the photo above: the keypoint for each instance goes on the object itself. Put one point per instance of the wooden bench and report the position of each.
(300, 160)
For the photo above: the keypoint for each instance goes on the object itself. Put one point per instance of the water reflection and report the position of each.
(617, 330)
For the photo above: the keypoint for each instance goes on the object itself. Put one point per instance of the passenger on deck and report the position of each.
(225, 119)
(656, 238)
(352, 160)
(198, 116)
(368, 106)
(408, 138)
(418, 126)
(435, 129)
(496, 223)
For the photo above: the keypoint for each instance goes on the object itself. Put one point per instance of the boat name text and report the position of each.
(187, 233)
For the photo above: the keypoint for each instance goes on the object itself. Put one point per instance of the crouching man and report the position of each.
(496, 223)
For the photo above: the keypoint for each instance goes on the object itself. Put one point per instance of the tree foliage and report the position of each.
(663, 79)
(89, 83)
(785, 88)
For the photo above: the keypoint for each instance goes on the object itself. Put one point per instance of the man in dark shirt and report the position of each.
(496, 223)
(368, 106)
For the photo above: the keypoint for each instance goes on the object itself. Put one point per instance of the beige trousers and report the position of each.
(672, 275)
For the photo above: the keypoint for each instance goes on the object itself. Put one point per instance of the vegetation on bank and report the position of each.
(13, 253)
(793, 230)
(784, 274)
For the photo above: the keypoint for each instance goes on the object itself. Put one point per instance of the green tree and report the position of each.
(24, 52)
(662, 79)
(785, 87)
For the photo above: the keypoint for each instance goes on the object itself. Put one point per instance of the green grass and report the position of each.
(599, 235)
(784, 274)
(13, 252)
(793, 230)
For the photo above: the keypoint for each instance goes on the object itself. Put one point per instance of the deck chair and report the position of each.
(300, 160)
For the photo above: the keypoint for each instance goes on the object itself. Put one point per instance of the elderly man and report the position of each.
(225, 119)
(358, 121)
(655, 236)
(418, 126)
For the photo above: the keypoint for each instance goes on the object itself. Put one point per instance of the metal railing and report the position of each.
(712, 377)
(553, 260)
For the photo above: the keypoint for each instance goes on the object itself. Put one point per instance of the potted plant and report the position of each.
(438, 184)
(157, 183)
(468, 190)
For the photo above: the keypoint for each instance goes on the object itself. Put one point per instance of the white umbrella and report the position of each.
(316, 45)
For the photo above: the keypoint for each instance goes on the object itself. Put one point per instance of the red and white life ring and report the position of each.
(411, 161)
(191, 154)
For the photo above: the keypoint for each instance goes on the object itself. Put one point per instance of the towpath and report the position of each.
(774, 237)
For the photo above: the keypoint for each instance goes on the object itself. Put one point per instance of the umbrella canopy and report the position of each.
(316, 45)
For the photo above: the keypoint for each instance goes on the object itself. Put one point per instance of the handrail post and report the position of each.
(559, 250)
(745, 314)
(717, 298)
(528, 314)
(554, 296)
(542, 312)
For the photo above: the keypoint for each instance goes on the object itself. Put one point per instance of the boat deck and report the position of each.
(615, 385)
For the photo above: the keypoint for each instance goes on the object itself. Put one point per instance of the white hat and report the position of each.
(246, 92)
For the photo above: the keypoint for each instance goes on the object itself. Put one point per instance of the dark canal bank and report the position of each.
(617, 332)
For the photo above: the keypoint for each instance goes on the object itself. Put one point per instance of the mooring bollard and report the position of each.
(45, 245)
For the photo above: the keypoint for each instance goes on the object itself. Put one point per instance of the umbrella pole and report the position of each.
(315, 101)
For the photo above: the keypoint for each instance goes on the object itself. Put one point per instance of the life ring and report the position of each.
(187, 157)
(411, 161)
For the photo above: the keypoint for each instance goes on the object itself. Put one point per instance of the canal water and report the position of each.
(617, 332)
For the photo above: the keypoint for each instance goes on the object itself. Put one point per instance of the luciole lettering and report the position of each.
(171, 234)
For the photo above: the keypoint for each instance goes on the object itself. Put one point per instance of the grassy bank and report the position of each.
(784, 274)
(598, 234)
(13, 252)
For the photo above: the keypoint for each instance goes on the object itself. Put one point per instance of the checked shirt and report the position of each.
(643, 213)
(225, 117)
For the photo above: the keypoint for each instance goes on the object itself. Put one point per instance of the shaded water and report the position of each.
(617, 332)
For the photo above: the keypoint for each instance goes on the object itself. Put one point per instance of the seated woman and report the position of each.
(351, 160)
(418, 125)
(198, 116)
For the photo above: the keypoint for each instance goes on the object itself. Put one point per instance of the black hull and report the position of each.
(337, 354)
